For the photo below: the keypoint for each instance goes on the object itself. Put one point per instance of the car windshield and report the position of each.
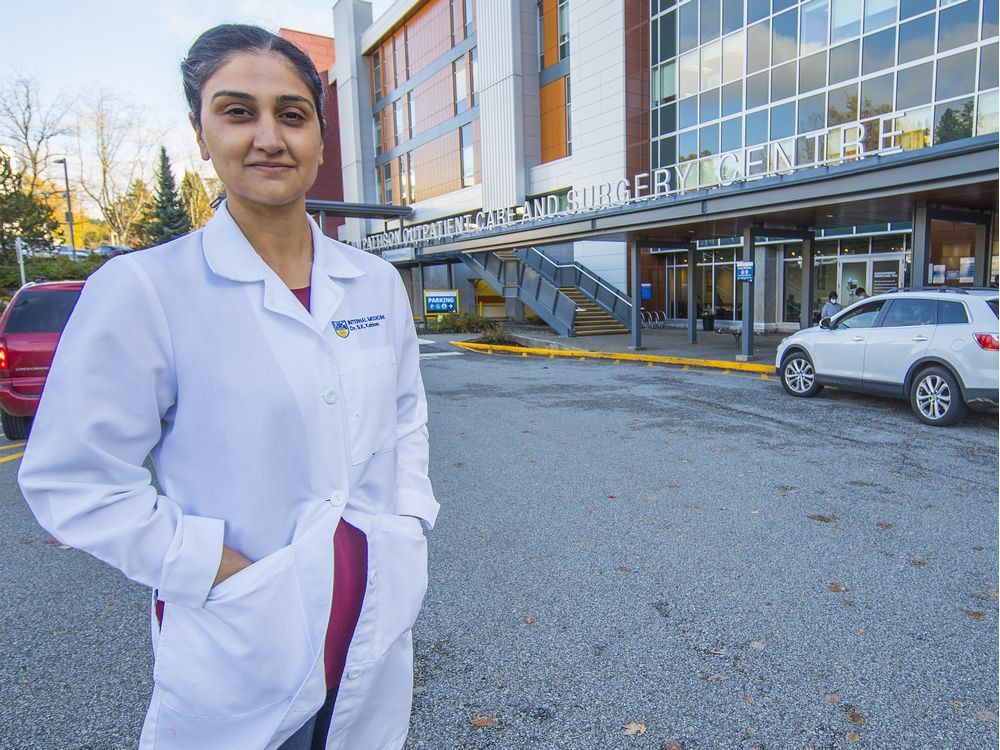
(42, 312)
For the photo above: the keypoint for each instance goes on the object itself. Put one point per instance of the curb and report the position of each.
(716, 364)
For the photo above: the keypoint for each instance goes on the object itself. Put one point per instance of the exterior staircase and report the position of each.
(591, 320)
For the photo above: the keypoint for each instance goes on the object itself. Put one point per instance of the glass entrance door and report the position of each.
(853, 276)
(887, 274)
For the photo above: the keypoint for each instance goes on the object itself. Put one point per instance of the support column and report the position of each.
(420, 299)
(634, 252)
(981, 274)
(746, 342)
(921, 253)
(692, 294)
(808, 281)
(451, 281)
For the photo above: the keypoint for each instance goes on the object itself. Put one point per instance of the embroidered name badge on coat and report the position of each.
(343, 328)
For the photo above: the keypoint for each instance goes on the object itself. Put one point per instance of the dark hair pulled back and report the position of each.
(215, 47)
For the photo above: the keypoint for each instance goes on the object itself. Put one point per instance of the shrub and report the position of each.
(56, 268)
(497, 337)
(462, 323)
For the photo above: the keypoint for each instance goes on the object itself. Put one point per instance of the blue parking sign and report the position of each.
(744, 270)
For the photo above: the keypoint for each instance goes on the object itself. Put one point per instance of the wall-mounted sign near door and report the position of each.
(440, 301)
(744, 270)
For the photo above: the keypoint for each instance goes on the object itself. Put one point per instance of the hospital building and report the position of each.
(600, 161)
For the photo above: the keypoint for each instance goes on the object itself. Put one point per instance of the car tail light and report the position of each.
(987, 341)
(3, 354)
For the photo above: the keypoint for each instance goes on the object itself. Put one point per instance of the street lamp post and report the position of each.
(69, 209)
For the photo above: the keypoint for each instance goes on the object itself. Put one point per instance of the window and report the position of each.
(812, 72)
(732, 134)
(879, 13)
(951, 313)
(842, 105)
(782, 82)
(758, 47)
(689, 74)
(956, 75)
(812, 113)
(878, 51)
(688, 21)
(711, 19)
(412, 107)
(412, 182)
(404, 192)
(709, 106)
(569, 119)
(815, 27)
(732, 57)
(668, 36)
(844, 62)
(784, 30)
(988, 114)
(377, 125)
(386, 183)
(756, 128)
(988, 67)
(377, 73)
(845, 19)
(863, 316)
(757, 92)
(461, 76)
(42, 312)
(732, 15)
(474, 76)
(913, 86)
(563, 21)
(957, 24)
(399, 117)
(468, 156)
(687, 112)
(916, 39)
(711, 65)
(910, 312)
(911, 8)
(468, 13)
(758, 9)
(953, 121)
(732, 98)
(876, 96)
(783, 121)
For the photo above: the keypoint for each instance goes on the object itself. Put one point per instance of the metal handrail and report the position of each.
(580, 269)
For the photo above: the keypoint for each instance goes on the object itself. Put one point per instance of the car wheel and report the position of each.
(15, 428)
(798, 377)
(936, 398)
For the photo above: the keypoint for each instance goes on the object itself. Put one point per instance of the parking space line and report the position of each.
(9, 446)
(11, 457)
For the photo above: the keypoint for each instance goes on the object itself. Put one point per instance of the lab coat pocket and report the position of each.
(401, 578)
(248, 646)
(368, 377)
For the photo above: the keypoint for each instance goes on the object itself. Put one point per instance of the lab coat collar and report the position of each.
(230, 255)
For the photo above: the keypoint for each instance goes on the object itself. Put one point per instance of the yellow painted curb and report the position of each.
(618, 356)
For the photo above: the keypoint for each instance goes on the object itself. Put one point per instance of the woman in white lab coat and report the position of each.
(271, 375)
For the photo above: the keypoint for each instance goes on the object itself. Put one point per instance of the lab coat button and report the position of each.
(354, 673)
(330, 396)
(338, 498)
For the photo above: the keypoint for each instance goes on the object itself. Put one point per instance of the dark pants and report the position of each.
(312, 734)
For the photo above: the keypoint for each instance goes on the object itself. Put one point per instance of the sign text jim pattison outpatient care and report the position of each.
(818, 148)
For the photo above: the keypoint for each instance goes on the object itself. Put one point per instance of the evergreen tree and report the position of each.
(170, 218)
(194, 196)
(22, 214)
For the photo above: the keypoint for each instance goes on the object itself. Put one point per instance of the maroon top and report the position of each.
(350, 574)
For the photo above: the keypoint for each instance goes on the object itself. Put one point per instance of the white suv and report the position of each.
(937, 348)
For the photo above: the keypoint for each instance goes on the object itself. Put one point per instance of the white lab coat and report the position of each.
(265, 424)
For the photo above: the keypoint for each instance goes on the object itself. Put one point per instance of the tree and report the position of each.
(954, 124)
(194, 196)
(114, 147)
(29, 128)
(169, 217)
(21, 213)
(138, 202)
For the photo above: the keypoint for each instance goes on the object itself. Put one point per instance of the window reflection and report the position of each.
(757, 94)
(843, 105)
(784, 29)
(956, 75)
(911, 8)
(913, 86)
(958, 24)
(986, 117)
(953, 121)
(812, 113)
(878, 13)
(916, 128)
(756, 128)
(815, 26)
(812, 72)
(709, 105)
(876, 97)
(711, 65)
(783, 82)
(916, 39)
(688, 22)
(878, 51)
(988, 67)
(711, 19)
(732, 98)
(783, 121)
(732, 15)
(845, 19)
(732, 57)
(732, 134)
(758, 46)
(844, 62)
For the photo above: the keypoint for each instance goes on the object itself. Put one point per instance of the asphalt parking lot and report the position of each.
(626, 557)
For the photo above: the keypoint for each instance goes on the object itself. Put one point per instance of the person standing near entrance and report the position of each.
(271, 375)
(861, 293)
(830, 308)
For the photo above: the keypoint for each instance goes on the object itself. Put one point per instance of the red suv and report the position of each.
(29, 331)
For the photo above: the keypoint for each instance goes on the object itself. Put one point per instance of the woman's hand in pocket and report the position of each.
(232, 563)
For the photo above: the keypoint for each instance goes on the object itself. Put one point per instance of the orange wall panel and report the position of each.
(550, 31)
(438, 166)
(552, 114)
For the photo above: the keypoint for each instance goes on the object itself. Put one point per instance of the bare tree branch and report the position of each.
(29, 127)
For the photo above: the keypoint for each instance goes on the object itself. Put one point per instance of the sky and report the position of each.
(134, 49)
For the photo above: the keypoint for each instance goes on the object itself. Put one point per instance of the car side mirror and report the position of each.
(825, 323)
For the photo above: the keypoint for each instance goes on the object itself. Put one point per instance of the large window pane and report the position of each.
(844, 62)
(783, 121)
(668, 118)
(758, 47)
(708, 140)
(711, 65)
(986, 116)
(913, 86)
(688, 22)
(958, 24)
(878, 51)
(711, 20)
(757, 90)
(732, 98)
(687, 145)
(845, 19)
(687, 112)
(812, 72)
(988, 64)
(783, 82)
(956, 75)
(792, 306)
(916, 39)
(916, 128)
(668, 36)
(784, 30)
(732, 57)
(664, 82)
(990, 11)
(812, 113)
(876, 96)
(689, 74)
(911, 8)
(953, 121)
(732, 134)
(709, 105)
(758, 9)
(879, 13)
(815, 26)
(843, 105)
(756, 128)
(732, 15)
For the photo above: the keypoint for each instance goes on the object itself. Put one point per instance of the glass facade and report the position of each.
(727, 74)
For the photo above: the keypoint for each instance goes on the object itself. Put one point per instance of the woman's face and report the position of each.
(260, 128)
